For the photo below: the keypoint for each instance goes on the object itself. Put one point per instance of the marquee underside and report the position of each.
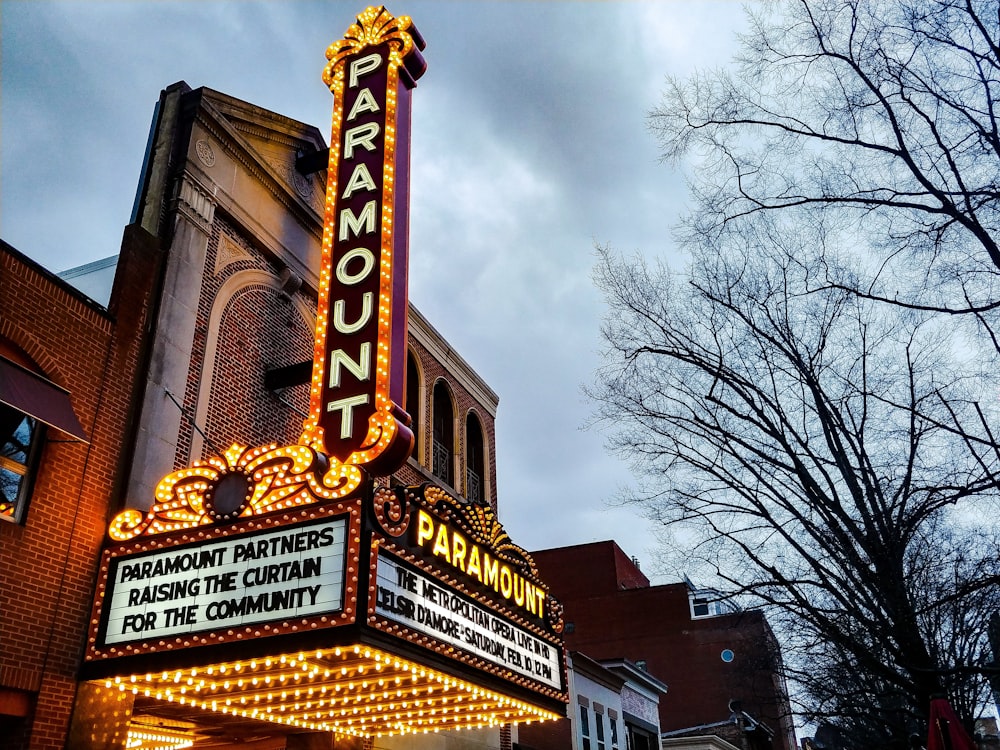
(355, 690)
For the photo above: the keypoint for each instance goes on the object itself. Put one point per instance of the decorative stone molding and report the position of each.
(252, 163)
(206, 154)
(302, 184)
(229, 252)
(194, 201)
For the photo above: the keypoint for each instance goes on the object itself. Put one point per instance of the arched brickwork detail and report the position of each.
(253, 327)
(40, 356)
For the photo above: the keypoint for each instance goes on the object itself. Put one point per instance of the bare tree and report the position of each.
(828, 457)
(883, 116)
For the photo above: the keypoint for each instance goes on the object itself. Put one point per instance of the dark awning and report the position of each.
(39, 398)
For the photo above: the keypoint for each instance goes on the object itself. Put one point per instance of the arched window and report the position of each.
(412, 404)
(444, 433)
(475, 464)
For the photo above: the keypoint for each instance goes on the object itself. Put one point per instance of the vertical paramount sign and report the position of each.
(359, 362)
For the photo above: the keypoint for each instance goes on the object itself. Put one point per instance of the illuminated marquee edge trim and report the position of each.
(277, 478)
(375, 26)
(156, 542)
(395, 507)
(184, 686)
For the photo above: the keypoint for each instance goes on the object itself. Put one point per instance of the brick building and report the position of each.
(206, 340)
(721, 664)
(67, 370)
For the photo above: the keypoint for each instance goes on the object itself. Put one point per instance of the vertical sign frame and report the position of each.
(359, 360)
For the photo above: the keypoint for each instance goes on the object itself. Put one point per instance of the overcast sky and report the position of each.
(529, 146)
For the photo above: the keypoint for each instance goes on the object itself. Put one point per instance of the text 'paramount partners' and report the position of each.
(236, 581)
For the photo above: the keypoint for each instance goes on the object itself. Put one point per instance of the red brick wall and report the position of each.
(48, 564)
(584, 570)
(654, 624)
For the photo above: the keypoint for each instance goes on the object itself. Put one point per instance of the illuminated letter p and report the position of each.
(363, 66)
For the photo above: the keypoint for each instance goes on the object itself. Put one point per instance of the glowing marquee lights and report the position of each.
(157, 738)
(454, 548)
(355, 430)
(352, 690)
(270, 477)
(360, 349)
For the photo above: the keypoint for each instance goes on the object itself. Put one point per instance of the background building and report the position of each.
(613, 705)
(722, 665)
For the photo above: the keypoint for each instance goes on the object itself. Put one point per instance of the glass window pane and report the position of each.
(17, 431)
(10, 486)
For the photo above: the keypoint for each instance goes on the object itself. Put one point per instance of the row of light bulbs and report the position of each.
(157, 739)
(368, 693)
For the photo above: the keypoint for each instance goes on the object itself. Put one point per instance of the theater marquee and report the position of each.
(444, 575)
(420, 602)
(396, 610)
(284, 583)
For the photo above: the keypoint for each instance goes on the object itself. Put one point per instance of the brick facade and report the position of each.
(612, 612)
(48, 563)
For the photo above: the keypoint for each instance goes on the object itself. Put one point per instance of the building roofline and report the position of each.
(594, 670)
(634, 673)
(54, 278)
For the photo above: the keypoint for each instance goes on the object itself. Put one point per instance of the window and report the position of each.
(28, 402)
(20, 441)
(474, 463)
(584, 728)
(639, 739)
(444, 435)
(412, 405)
(599, 727)
(613, 721)
(709, 603)
(700, 607)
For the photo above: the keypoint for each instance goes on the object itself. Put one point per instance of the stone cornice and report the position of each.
(458, 368)
(237, 147)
